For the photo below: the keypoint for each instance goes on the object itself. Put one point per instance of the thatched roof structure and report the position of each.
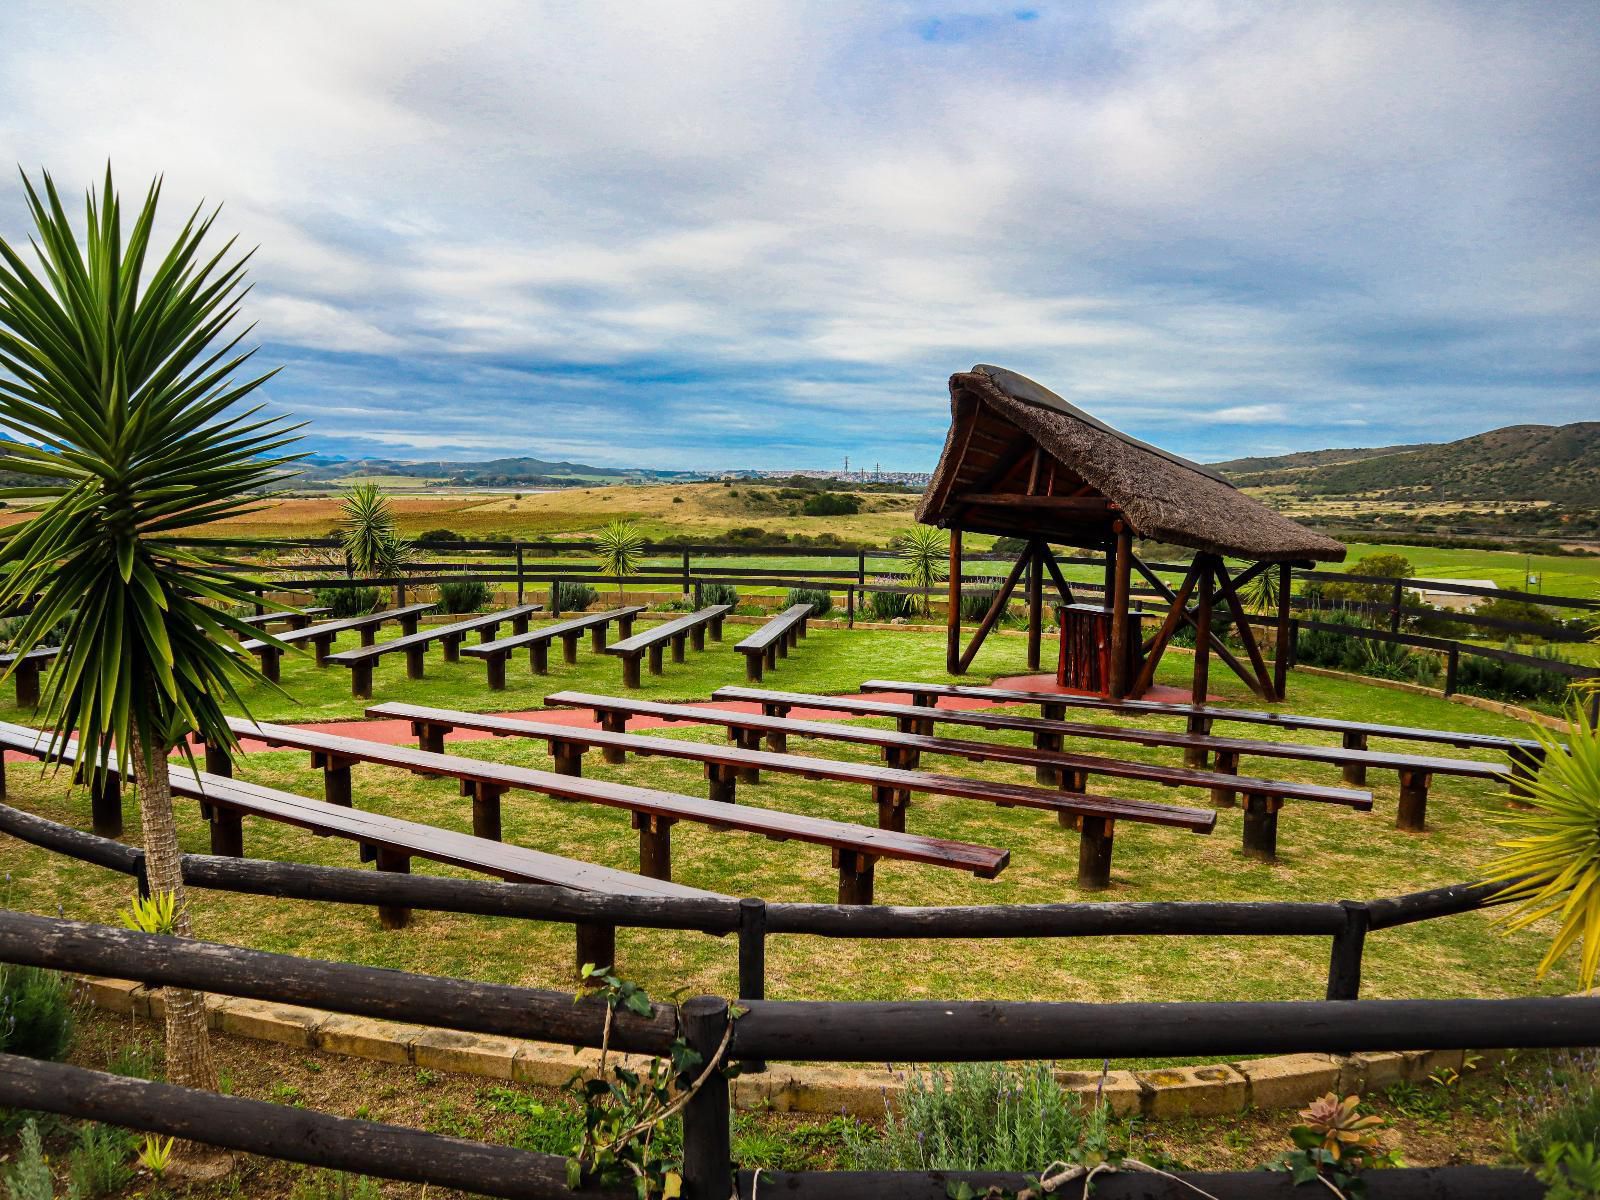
(1020, 460)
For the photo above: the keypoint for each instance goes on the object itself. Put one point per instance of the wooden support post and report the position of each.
(655, 844)
(1035, 606)
(630, 673)
(28, 684)
(270, 656)
(1452, 668)
(752, 961)
(1044, 774)
(1163, 636)
(227, 833)
(721, 783)
(891, 807)
(1355, 774)
(393, 916)
(1226, 763)
(539, 657)
(707, 1136)
(1094, 853)
(1261, 826)
(486, 810)
(1285, 634)
(554, 603)
(597, 946)
(855, 876)
(1199, 684)
(1394, 607)
(716, 628)
(452, 647)
(1525, 764)
(218, 761)
(1344, 962)
(653, 655)
(1122, 571)
(369, 635)
(566, 758)
(105, 805)
(677, 644)
(1413, 813)
(747, 739)
(497, 671)
(697, 640)
(336, 782)
(409, 623)
(752, 666)
(770, 656)
(416, 664)
(1075, 780)
(361, 680)
(952, 616)
(519, 574)
(597, 638)
(614, 722)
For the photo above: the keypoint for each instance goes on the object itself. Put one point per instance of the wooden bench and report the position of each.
(1093, 817)
(390, 842)
(495, 654)
(855, 848)
(298, 619)
(414, 645)
(691, 628)
(322, 636)
(773, 641)
(903, 748)
(26, 668)
(1416, 771)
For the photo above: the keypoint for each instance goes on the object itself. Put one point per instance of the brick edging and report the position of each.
(1283, 1081)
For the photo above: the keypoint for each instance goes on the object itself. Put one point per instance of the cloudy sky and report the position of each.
(764, 233)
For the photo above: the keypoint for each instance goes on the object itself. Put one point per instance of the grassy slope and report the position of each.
(1327, 853)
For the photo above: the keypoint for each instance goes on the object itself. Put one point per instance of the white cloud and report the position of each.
(1252, 414)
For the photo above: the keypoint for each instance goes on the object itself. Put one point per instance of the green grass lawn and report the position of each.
(1327, 853)
(1559, 574)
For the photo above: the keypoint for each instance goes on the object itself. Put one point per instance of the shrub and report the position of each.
(575, 597)
(1329, 648)
(886, 606)
(1512, 681)
(718, 593)
(335, 1185)
(831, 504)
(347, 601)
(433, 536)
(98, 1164)
(984, 1117)
(819, 599)
(463, 596)
(975, 605)
(30, 1178)
(1563, 1110)
(35, 1012)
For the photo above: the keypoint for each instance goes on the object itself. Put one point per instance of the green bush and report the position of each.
(29, 1178)
(347, 601)
(831, 504)
(975, 605)
(1512, 681)
(98, 1164)
(983, 1117)
(464, 596)
(434, 536)
(335, 1185)
(575, 597)
(718, 593)
(886, 606)
(1329, 648)
(819, 599)
(1564, 1109)
(35, 1012)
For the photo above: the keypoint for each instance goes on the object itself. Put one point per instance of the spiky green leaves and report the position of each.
(370, 533)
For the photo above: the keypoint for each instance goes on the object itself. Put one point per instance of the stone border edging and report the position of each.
(1218, 1089)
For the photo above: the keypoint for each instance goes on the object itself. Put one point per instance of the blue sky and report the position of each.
(732, 234)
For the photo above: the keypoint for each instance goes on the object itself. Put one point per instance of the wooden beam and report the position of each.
(1092, 505)
(1262, 685)
(1217, 648)
(1280, 663)
(952, 634)
(1048, 557)
(996, 607)
(1118, 675)
(1147, 673)
(1035, 604)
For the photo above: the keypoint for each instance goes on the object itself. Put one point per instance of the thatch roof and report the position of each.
(1020, 460)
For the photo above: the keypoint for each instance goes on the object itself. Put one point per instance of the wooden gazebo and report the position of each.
(1020, 461)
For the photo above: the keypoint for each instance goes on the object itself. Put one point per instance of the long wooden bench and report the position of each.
(322, 636)
(414, 645)
(297, 619)
(774, 640)
(390, 842)
(26, 668)
(1094, 817)
(1354, 735)
(690, 628)
(496, 653)
(903, 747)
(855, 848)
(1416, 771)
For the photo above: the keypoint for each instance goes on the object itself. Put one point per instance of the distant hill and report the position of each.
(496, 472)
(1520, 462)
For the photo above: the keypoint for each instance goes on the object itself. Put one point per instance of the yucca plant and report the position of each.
(619, 550)
(1552, 864)
(117, 368)
(371, 534)
(925, 551)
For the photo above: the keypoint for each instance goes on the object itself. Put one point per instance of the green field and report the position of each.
(1327, 853)
(1559, 574)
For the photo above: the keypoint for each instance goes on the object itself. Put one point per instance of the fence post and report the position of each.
(850, 608)
(686, 574)
(1394, 610)
(861, 569)
(707, 1140)
(519, 573)
(260, 590)
(752, 961)
(1344, 963)
(1452, 663)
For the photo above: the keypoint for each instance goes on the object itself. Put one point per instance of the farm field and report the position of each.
(1326, 852)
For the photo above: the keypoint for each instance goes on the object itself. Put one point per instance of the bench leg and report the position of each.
(747, 739)
(28, 685)
(270, 664)
(227, 833)
(519, 625)
(1044, 774)
(597, 638)
(488, 633)
(630, 672)
(361, 680)
(716, 629)
(855, 876)
(1227, 763)
(497, 671)
(1195, 756)
(566, 758)
(654, 656)
(1525, 764)
(1094, 853)
(616, 722)
(752, 666)
(697, 638)
(369, 634)
(392, 916)
(1074, 779)
(539, 658)
(430, 737)
(597, 946)
(1355, 774)
(1413, 814)
(320, 650)
(678, 643)
(891, 807)
(297, 621)
(721, 783)
(416, 661)
(410, 623)
(452, 648)
(625, 625)
(655, 845)
(1261, 827)
(218, 761)
(105, 805)
(486, 810)
(336, 785)
(569, 648)
(771, 656)
(782, 646)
